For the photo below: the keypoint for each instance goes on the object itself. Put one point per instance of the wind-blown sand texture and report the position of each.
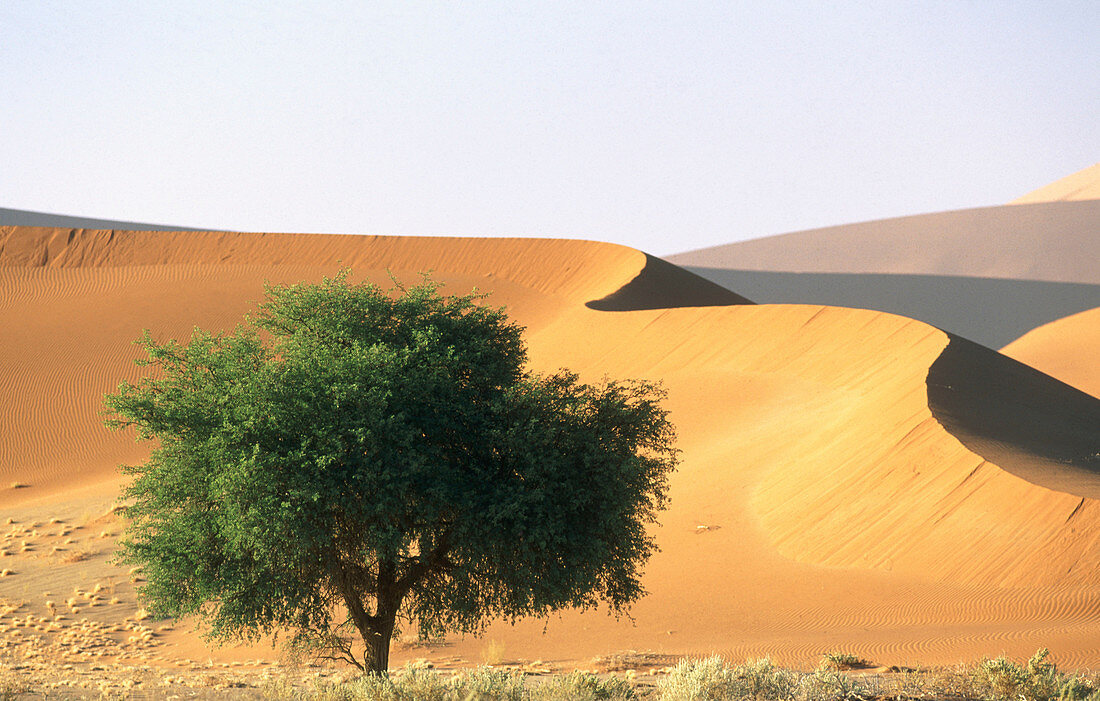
(848, 481)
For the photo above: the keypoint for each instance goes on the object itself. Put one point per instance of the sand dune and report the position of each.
(990, 311)
(1067, 349)
(1051, 241)
(989, 274)
(847, 482)
(1082, 185)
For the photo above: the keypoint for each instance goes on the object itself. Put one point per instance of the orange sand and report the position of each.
(824, 501)
(1068, 349)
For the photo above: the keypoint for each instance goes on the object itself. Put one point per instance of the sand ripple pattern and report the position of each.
(820, 504)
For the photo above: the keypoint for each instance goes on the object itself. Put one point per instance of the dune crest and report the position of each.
(579, 269)
(1051, 241)
(1082, 185)
(820, 502)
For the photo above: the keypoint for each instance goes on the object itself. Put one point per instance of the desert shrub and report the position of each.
(1001, 678)
(1076, 688)
(11, 686)
(829, 685)
(838, 661)
(1039, 680)
(712, 679)
(578, 686)
(956, 682)
(697, 680)
(278, 690)
(370, 687)
(410, 684)
(760, 680)
(487, 684)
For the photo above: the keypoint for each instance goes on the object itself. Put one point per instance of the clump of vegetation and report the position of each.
(830, 685)
(997, 679)
(1001, 679)
(711, 678)
(489, 684)
(578, 686)
(11, 686)
(840, 661)
(695, 680)
(483, 684)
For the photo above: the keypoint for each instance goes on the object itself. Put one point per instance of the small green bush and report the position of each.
(1039, 680)
(839, 661)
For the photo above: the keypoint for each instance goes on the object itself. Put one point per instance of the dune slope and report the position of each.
(989, 311)
(1067, 349)
(1051, 241)
(825, 500)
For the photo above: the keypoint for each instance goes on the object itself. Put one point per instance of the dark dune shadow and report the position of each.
(1014, 416)
(20, 217)
(991, 311)
(662, 285)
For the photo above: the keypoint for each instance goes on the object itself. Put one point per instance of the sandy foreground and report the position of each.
(848, 480)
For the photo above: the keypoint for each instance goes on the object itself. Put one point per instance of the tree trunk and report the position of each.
(376, 658)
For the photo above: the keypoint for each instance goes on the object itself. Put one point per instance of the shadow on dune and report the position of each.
(1014, 416)
(22, 217)
(662, 285)
(991, 311)
(1052, 241)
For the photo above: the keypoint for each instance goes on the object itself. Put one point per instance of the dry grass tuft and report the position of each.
(72, 556)
(841, 661)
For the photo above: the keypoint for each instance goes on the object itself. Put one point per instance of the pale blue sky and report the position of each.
(666, 126)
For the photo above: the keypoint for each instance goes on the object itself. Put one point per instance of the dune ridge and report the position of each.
(820, 503)
(562, 271)
(23, 217)
(1082, 185)
(1050, 241)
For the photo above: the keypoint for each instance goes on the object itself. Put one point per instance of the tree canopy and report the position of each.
(350, 455)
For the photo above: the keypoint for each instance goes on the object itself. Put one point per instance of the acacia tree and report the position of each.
(352, 455)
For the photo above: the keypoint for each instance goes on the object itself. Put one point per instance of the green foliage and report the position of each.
(351, 454)
(838, 661)
(1038, 680)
